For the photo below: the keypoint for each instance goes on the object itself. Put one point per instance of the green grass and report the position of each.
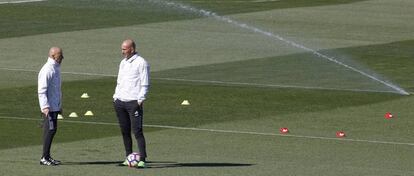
(392, 59)
(204, 49)
(59, 15)
(204, 153)
(210, 105)
(33, 132)
(236, 6)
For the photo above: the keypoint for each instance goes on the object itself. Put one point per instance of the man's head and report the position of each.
(56, 54)
(128, 48)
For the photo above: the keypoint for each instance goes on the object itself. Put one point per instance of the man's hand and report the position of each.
(45, 111)
(140, 103)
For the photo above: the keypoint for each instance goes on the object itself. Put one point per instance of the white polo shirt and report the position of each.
(133, 79)
(49, 86)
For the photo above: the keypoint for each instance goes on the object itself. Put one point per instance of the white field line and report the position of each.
(18, 2)
(265, 0)
(272, 85)
(217, 82)
(228, 131)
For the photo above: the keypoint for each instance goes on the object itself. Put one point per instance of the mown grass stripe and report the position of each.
(230, 131)
(217, 82)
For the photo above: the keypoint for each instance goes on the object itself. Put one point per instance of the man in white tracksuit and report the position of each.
(50, 96)
(130, 93)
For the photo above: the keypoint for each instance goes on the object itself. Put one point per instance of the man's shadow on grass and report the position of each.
(92, 163)
(162, 164)
(157, 164)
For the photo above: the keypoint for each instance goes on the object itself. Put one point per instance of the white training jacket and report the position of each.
(133, 79)
(49, 86)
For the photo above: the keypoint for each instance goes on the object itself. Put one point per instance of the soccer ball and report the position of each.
(133, 159)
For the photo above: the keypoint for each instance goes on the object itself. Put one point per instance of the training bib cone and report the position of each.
(340, 134)
(284, 130)
(85, 95)
(73, 114)
(59, 116)
(89, 113)
(388, 115)
(185, 103)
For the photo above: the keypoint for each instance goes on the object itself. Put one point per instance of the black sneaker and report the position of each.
(46, 162)
(56, 162)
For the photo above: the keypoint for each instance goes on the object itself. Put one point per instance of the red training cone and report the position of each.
(340, 134)
(388, 115)
(284, 130)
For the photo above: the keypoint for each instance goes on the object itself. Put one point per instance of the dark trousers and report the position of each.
(130, 115)
(49, 131)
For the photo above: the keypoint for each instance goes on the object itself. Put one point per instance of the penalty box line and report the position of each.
(228, 131)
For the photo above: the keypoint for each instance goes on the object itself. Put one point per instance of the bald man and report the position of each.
(130, 94)
(50, 96)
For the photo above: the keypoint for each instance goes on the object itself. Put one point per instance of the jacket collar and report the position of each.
(52, 62)
(132, 58)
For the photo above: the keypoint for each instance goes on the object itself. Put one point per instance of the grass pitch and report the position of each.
(229, 129)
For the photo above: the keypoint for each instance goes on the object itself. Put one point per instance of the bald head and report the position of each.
(56, 54)
(128, 48)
